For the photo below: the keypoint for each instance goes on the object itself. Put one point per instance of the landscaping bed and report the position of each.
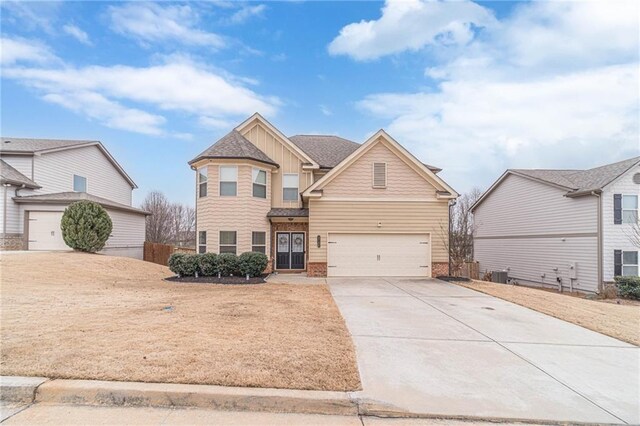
(216, 280)
(88, 316)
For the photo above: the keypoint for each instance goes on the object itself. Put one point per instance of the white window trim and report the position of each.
(266, 181)
(260, 245)
(220, 181)
(200, 242)
(228, 245)
(206, 182)
(86, 183)
(629, 264)
(297, 175)
(636, 210)
(373, 175)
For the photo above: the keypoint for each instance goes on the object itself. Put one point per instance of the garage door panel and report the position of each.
(379, 255)
(45, 232)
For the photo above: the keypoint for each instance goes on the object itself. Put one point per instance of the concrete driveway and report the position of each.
(431, 347)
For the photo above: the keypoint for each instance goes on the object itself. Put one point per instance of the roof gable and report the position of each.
(442, 188)
(9, 175)
(234, 145)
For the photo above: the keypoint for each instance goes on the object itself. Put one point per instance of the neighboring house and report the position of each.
(322, 204)
(41, 177)
(561, 227)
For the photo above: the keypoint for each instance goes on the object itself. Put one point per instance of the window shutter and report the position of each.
(379, 175)
(617, 263)
(617, 209)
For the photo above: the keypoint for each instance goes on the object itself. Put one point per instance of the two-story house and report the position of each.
(41, 177)
(322, 204)
(569, 229)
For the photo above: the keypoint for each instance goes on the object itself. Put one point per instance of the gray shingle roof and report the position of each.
(10, 175)
(27, 145)
(70, 197)
(234, 145)
(281, 212)
(581, 180)
(328, 151)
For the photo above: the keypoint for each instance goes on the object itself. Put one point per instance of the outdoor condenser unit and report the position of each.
(499, 277)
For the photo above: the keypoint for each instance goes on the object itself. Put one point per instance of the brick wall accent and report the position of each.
(317, 269)
(11, 242)
(289, 227)
(439, 268)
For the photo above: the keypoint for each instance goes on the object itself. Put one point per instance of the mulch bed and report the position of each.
(216, 280)
(452, 279)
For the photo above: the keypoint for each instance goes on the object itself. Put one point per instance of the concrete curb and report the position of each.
(19, 389)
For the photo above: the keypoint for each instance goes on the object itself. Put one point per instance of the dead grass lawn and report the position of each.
(621, 321)
(82, 316)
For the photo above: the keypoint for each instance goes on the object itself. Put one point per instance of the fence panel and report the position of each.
(470, 270)
(159, 253)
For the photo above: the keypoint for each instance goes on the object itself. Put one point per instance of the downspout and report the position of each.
(451, 204)
(599, 238)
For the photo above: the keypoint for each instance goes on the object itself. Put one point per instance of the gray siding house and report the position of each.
(41, 177)
(560, 228)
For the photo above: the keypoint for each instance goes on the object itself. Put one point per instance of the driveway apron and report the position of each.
(429, 347)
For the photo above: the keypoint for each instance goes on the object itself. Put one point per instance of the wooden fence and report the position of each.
(470, 270)
(159, 253)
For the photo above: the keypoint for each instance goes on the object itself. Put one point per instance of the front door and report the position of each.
(290, 250)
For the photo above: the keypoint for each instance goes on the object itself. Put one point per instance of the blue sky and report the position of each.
(473, 88)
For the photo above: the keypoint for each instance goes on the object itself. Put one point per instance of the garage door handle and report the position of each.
(53, 233)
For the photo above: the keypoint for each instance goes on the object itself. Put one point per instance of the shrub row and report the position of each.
(211, 264)
(628, 287)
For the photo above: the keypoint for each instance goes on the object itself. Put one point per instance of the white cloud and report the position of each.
(247, 12)
(101, 93)
(411, 25)
(14, 50)
(325, 110)
(533, 91)
(151, 22)
(77, 33)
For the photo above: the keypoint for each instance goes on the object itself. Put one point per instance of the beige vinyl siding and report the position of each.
(363, 217)
(54, 172)
(357, 180)
(289, 162)
(242, 213)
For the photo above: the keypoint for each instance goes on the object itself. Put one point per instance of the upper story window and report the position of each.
(629, 208)
(630, 263)
(79, 183)
(379, 175)
(229, 181)
(202, 181)
(290, 187)
(259, 183)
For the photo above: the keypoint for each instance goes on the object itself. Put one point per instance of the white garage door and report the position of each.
(44, 231)
(391, 255)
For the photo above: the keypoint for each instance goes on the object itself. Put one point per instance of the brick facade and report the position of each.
(289, 227)
(11, 242)
(439, 268)
(317, 269)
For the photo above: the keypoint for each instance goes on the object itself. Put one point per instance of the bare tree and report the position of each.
(459, 235)
(169, 223)
(634, 234)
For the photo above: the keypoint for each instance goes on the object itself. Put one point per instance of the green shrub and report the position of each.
(209, 264)
(628, 287)
(190, 265)
(176, 263)
(86, 226)
(252, 263)
(227, 264)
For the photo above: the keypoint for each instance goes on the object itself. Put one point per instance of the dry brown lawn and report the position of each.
(621, 321)
(83, 316)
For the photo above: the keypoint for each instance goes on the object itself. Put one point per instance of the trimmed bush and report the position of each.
(252, 263)
(227, 264)
(86, 226)
(628, 287)
(190, 265)
(209, 264)
(176, 263)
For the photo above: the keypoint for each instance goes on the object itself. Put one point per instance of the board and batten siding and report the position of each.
(288, 160)
(54, 172)
(532, 230)
(616, 237)
(243, 213)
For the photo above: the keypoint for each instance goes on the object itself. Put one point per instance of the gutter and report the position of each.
(600, 241)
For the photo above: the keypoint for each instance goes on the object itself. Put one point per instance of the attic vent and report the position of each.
(7, 141)
(636, 178)
(379, 175)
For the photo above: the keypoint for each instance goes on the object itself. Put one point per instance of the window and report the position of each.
(259, 183)
(379, 175)
(630, 263)
(258, 242)
(228, 181)
(629, 208)
(290, 187)
(202, 242)
(202, 182)
(79, 183)
(228, 242)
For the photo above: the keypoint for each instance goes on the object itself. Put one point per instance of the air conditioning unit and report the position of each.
(499, 277)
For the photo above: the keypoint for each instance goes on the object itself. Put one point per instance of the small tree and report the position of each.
(86, 226)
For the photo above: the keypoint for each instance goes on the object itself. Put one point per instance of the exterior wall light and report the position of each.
(318, 241)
